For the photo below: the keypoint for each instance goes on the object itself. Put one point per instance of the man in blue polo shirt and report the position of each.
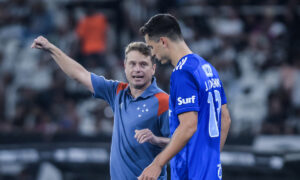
(199, 118)
(141, 124)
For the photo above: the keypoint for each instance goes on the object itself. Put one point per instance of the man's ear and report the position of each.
(153, 68)
(124, 63)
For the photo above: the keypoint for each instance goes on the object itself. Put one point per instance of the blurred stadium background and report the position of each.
(52, 129)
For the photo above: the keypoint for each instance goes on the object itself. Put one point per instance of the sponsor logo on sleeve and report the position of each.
(188, 100)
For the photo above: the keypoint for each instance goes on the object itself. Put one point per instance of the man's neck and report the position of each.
(137, 92)
(179, 50)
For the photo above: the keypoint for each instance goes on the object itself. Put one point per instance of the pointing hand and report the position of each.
(41, 43)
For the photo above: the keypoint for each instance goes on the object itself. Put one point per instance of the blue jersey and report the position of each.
(128, 158)
(195, 86)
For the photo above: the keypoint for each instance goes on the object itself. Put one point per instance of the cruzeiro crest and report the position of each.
(141, 110)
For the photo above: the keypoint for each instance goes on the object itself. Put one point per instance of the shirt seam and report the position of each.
(186, 109)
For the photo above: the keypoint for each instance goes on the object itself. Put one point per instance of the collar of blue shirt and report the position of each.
(150, 91)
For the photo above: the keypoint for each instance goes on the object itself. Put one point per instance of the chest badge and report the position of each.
(141, 110)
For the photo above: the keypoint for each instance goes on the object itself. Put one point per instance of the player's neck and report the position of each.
(179, 50)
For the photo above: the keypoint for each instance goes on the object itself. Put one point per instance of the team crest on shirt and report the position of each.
(141, 110)
(207, 69)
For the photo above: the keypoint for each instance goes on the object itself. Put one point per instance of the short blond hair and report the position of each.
(141, 47)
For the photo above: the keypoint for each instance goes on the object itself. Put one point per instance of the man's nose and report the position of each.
(137, 68)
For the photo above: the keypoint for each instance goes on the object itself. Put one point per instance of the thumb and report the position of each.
(140, 177)
(135, 131)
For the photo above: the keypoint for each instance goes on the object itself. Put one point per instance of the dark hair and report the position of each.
(141, 47)
(162, 25)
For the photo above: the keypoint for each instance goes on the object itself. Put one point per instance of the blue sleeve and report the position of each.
(186, 92)
(164, 124)
(104, 89)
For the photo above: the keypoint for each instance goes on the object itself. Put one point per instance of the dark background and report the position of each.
(50, 126)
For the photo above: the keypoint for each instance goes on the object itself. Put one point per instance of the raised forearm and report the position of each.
(179, 139)
(183, 133)
(67, 64)
(72, 68)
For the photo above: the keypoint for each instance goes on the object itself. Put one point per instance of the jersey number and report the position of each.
(213, 118)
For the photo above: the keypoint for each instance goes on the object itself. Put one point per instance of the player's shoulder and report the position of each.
(188, 65)
(202, 66)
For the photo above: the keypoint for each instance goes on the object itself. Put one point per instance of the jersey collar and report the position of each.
(181, 59)
(150, 91)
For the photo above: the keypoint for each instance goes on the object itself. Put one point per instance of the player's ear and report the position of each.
(164, 41)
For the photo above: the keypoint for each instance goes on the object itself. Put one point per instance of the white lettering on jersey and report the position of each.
(220, 171)
(207, 69)
(186, 100)
(212, 83)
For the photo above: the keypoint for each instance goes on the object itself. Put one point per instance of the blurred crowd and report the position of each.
(255, 46)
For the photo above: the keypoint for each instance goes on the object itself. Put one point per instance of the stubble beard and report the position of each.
(165, 60)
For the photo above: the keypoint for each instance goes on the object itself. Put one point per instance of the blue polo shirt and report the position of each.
(128, 158)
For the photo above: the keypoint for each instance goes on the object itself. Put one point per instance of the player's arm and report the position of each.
(183, 133)
(73, 69)
(225, 124)
(146, 135)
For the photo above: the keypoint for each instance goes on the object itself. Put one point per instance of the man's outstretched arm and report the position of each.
(73, 69)
(225, 124)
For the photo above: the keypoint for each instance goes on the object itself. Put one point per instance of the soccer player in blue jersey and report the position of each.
(141, 123)
(199, 118)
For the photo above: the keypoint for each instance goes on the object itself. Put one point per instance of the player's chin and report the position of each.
(164, 61)
(160, 61)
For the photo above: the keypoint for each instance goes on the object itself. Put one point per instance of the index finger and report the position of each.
(136, 133)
